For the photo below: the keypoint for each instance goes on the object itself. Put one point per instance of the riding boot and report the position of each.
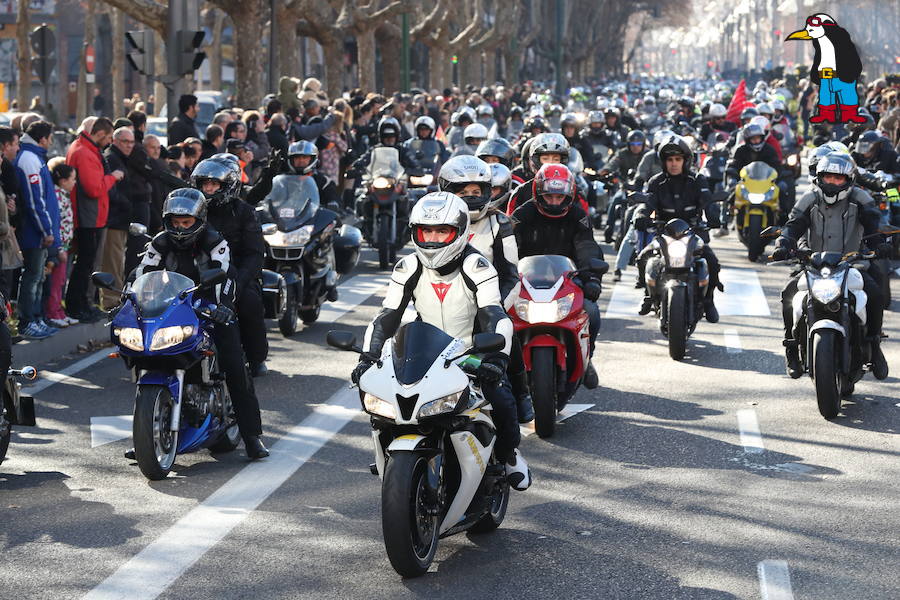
(879, 362)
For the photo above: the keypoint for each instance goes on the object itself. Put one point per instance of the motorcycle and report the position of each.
(888, 200)
(427, 155)
(434, 441)
(549, 319)
(16, 409)
(307, 249)
(676, 278)
(756, 200)
(164, 337)
(384, 207)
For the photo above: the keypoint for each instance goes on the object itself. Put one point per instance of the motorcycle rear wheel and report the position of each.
(543, 390)
(155, 444)
(677, 326)
(826, 375)
(231, 437)
(493, 520)
(410, 533)
(384, 242)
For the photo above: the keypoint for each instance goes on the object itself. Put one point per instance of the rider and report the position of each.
(496, 150)
(473, 136)
(716, 122)
(388, 137)
(678, 193)
(491, 233)
(546, 148)
(834, 216)
(425, 144)
(188, 245)
(553, 223)
(461, 119)
(219, 179)
(623, 162)
(873, 152)
(454, 288)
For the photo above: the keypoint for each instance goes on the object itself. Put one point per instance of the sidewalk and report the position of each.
(39, 352)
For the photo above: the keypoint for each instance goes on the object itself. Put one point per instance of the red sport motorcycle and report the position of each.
(552, 326)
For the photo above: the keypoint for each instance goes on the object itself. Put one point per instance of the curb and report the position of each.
(66, 341)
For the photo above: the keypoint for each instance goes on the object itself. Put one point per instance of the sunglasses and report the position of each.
(817, 22)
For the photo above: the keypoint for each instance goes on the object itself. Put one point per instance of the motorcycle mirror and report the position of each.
(770, 232)
(29, 373)
(212, 277)
(342, 340)
(488, 342)
(599, 267)
(269, 228)
(104, 280)
(137, 229)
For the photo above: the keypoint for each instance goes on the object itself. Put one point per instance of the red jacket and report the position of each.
(90, 198)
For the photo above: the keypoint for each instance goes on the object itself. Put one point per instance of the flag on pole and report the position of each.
(440, 135)
(738, 103)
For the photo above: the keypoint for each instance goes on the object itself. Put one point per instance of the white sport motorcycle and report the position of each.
(434, 441)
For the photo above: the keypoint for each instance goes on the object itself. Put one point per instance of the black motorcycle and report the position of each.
(307, 249)
(427, 154)
(383, 206)
(677, 279)
(17, 409)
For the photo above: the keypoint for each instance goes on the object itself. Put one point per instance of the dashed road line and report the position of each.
(774, 580)
(751, 438)
(732, 341)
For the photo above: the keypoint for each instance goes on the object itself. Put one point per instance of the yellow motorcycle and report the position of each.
(755, 206)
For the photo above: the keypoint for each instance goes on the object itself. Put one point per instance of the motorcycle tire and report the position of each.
(155, 452)
(825, 373)
(755, 244)
(677, 325)
(410, 534)
(384, 243)
(493, 520)
(543, 390)
(310, 315)
(231, 437)
(5, 434)
(288, 321)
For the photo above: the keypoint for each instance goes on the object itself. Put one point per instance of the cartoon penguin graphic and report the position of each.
(836, 67)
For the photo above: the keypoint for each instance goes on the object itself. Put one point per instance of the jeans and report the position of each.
(87, 241)
(240, 385)
(626, 249)
(834, 91)
(30, 285)
(505, 415)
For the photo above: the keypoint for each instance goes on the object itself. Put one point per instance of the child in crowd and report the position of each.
(64, 179)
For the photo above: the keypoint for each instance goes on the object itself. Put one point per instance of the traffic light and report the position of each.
(189, 58)
(454, 59)
(140, 51)
(43, 43)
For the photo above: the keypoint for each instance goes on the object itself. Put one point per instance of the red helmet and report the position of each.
(553, 178)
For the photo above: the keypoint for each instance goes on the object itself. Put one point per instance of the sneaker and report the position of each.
(50, 330)
(58, 323)
(617, 275)
(33, 331)
(517, 472)
(721, 232)
(72, 321)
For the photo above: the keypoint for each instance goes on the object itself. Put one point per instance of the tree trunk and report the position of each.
(468, 68)
(437, 78)
(118, 61)
(490, 67)
(390, 62)
(23, 83)
(365, 59)
(215, 51)
(159, 66)
(288, 49)
(83, 106)
(333, 55)
(248, 55)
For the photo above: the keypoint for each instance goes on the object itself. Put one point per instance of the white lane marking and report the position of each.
(352, 293)
(157, 566)
(743, 295)
(732, 341)
(105, 430)
(751, 438)
(567, 411)
(48, 378)
(774, 580)
(625, 300)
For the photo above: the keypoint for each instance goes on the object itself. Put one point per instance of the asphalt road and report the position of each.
(708, 479)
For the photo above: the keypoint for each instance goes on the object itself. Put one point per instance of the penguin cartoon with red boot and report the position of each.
(836, 67)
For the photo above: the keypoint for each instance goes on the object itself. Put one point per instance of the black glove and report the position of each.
(361, 367)
(591, 289)
(491, 369)
(884, 250)
(642, 223)
(221, 314)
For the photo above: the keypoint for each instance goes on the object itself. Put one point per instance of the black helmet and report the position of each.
(184, 202)
(675, 145)
(535, 122)
(223, 168)
(867, 142)
(303, 148)
(387, 127)
(636, 136)
(498, 147)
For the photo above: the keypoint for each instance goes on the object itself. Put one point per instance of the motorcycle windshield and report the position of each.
(155, 291)
(416, 347)
(293, 201)
(542, 272)
(759, 171)
(385, 162)
(426, 154)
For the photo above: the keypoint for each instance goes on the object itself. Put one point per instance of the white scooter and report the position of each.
(434, 440)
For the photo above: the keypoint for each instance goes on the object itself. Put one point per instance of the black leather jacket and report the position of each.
(681, 197)
(237, 223)
(570, 235)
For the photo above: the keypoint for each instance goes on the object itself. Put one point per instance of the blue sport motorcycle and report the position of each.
(164, 336)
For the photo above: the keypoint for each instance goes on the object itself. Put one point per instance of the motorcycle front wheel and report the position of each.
(288, 321)
(826, 373)
(5, 432)
(410, 532)
(543, 390)
(677, 326)
(155, 444)
(755, 244)
(384, 242)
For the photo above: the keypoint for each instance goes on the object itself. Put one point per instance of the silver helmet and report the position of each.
(434, 210)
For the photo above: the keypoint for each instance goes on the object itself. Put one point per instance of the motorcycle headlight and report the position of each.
(299, 237)
(755, 198)
(377, 406)
(441, 405)
(170, 336)
(424, 180)
(130, 337)
(544, 312)
(382, 183)
(825, 290)
(677, 252)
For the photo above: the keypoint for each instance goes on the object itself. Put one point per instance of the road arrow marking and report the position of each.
(567, 411)
(105, 430)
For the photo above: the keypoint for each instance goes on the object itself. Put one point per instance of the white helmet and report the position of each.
(425, 121)
(475, 131)
(763, 122)
(717, 110)
(435, 209)
(460, 171)
(501, 177)
(485, 110)
(765, 109)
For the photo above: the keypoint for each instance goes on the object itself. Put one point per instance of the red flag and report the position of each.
(738, 103)
(440, 135)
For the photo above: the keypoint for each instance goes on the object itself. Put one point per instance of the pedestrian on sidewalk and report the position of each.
(64, 178)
